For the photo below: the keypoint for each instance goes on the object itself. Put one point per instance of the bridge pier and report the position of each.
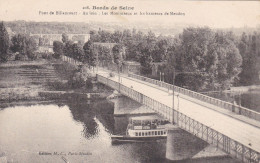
(181, 145)
(126, 106)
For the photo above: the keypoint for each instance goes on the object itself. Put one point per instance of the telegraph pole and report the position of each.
(119, 65)
(173, 78)
(97, 61)
(163, 77)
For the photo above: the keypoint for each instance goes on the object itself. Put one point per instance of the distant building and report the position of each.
(45, 49)
(49, 38)
(45, 41)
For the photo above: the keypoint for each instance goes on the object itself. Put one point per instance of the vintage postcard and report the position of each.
(129, 81)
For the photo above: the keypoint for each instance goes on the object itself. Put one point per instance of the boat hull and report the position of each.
(125, 138)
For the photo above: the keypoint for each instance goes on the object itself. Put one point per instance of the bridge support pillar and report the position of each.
(182, 145)
(126, 106)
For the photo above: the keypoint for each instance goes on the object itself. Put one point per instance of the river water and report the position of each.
(73, 132)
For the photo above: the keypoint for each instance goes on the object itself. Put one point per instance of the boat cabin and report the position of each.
(147, 123)
(147, 127)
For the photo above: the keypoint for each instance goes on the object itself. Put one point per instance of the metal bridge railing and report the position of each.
(223, 142)
(223, 104)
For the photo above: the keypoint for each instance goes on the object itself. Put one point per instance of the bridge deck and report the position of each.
(238, 130)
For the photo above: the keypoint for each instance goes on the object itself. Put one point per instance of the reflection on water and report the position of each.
(64, 131)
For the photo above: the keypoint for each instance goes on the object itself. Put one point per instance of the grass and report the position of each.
(16, 87)
(19, 80)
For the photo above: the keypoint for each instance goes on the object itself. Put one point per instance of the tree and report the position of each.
(65, 38)
(90, 56)
(105, 55)
(58, 49)
(78, 52)
(133, 50)
(160, 50)
(4, 43)
(117, 36)
(41, 41)
(118, 53)
(67, 50)
(207, 60)
(18, 44)
(105, 36)
(249, 47)
(30, 47)
(227, 63)
(145, 58)
(24, 45)
(94, 36)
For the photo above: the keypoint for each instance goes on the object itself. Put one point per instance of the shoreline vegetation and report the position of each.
(42, 81)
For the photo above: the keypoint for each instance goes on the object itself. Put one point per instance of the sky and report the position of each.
(218, 14)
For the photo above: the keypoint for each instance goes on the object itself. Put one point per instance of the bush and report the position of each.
(47, 56)
(58, 85)
(21, 57)
(32, 56)
(56, 56)
(76, 80)
(11, 57)
(89, 84)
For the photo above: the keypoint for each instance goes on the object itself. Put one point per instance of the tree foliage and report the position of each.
(201, 58)
(58, 48)
(249, 47)
(24, 45)
(77, 52)
(207, 60)
(65, 38)
(118, 54)
(67, 50)
(105, 55)
(90, 56)
(4, 43)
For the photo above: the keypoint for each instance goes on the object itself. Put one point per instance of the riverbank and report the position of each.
(22, 80)
(42, 80)
(245, 88)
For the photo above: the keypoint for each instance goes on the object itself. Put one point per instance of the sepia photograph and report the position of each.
(129, 81)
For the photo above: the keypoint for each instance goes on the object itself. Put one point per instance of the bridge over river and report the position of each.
(231, 128)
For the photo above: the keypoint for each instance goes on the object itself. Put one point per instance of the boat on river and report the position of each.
(142, 129)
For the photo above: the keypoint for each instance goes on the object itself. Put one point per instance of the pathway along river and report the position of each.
(73, 132)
